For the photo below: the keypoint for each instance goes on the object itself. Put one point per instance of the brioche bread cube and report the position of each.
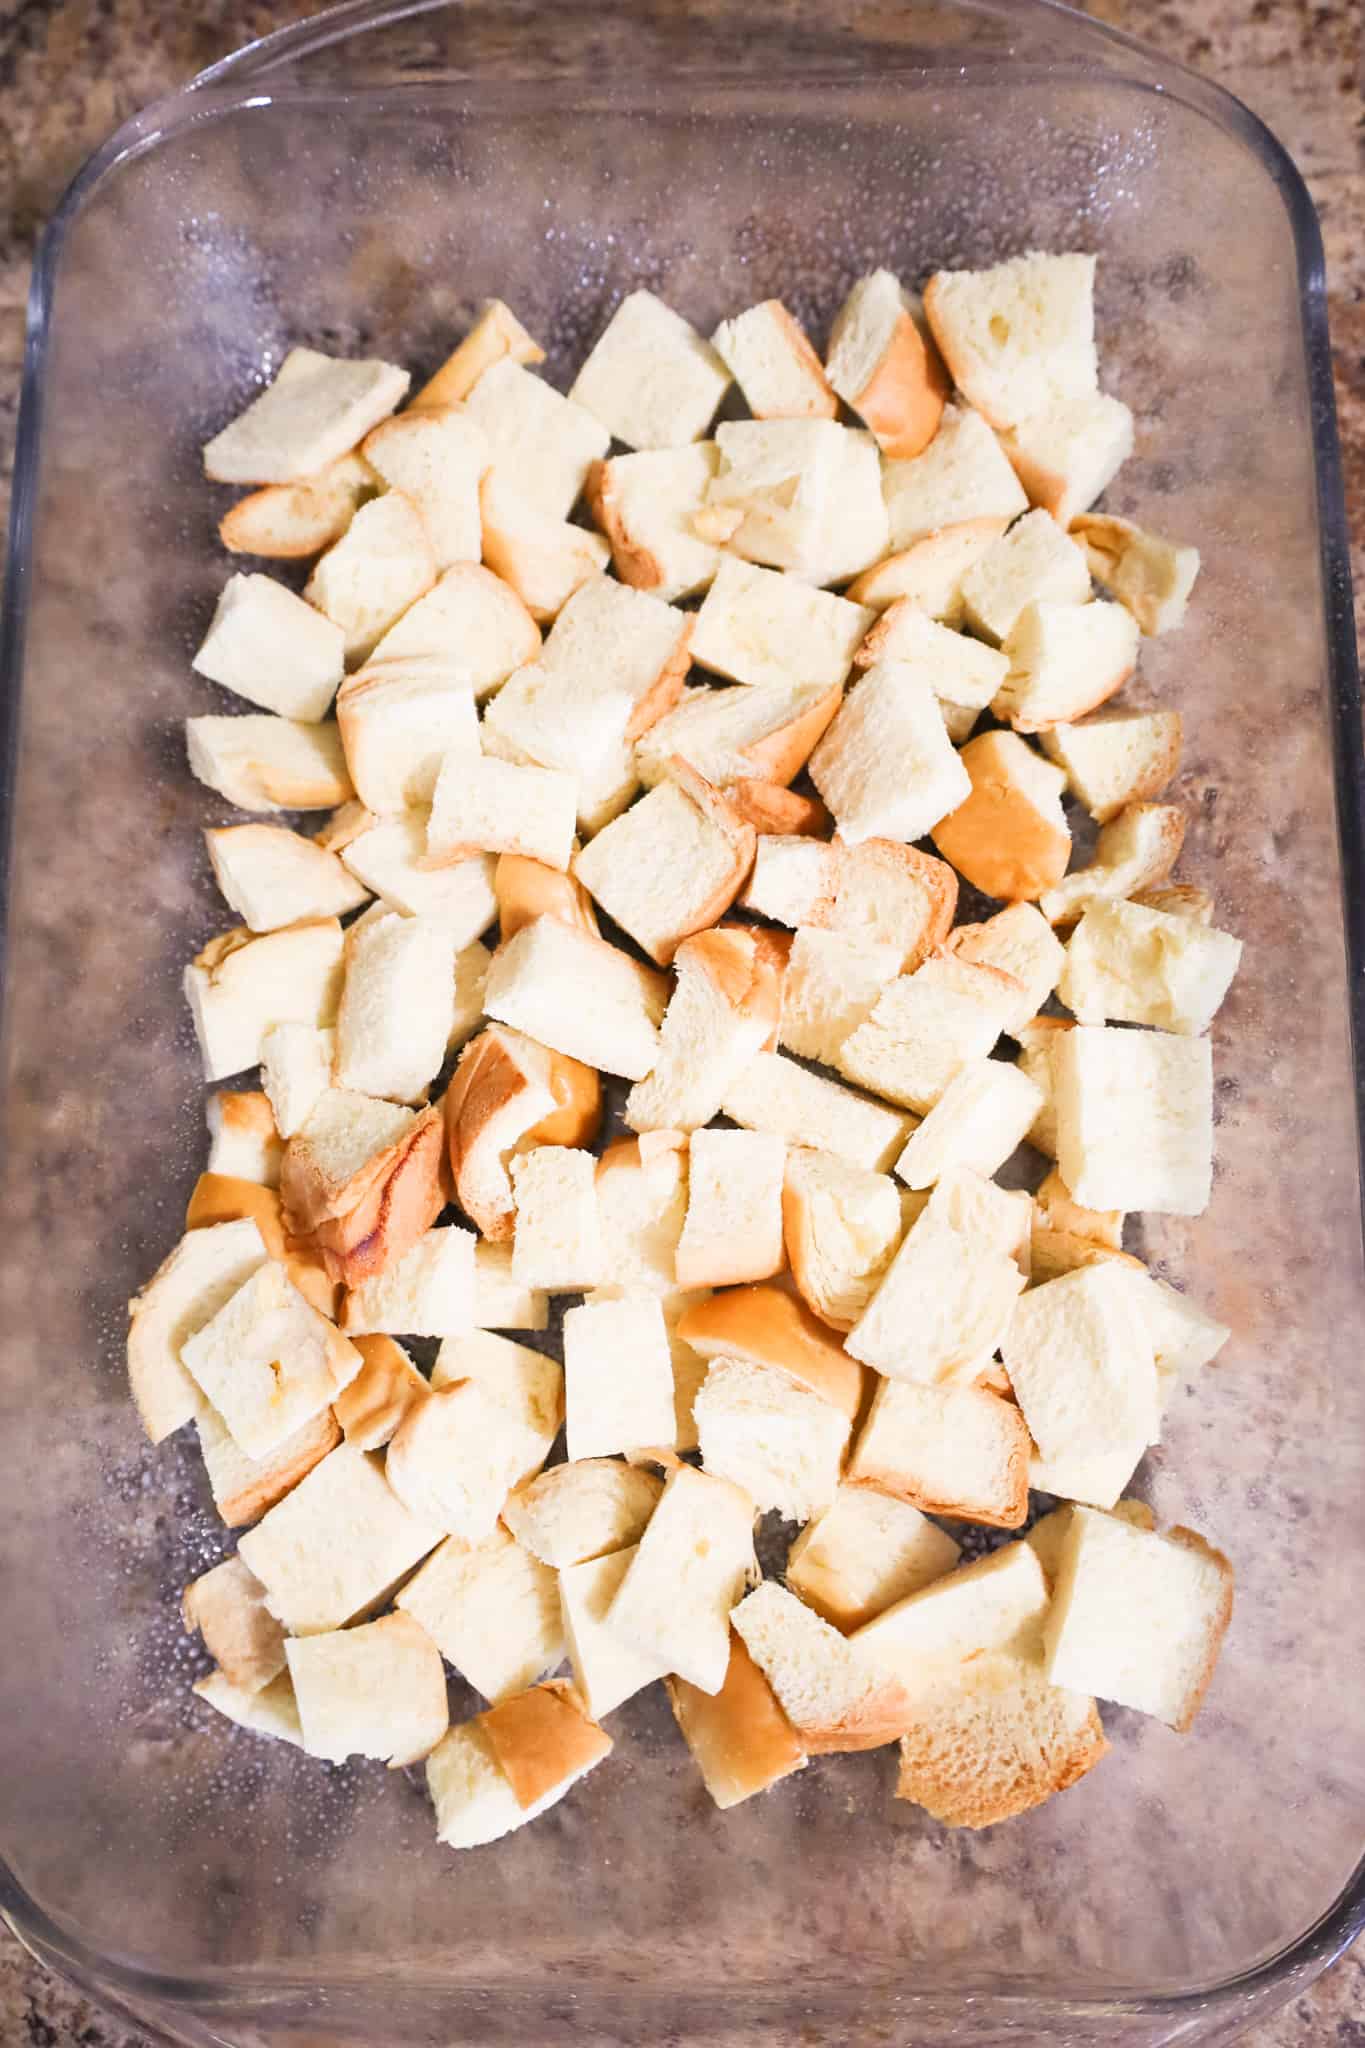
(436, 457)
(672, 865)
(1117, 757)
(491, 1609)
(766, 731)
(724, 1009)
(1057, 1209)
(1065, 660)
(273, 877)
(186, 1292)
(289, 522)
(387, 1385)
(607, 1669)
(1138, 1617)
(612, 1022)
(959, 671)
(500, 1302)
(650, 377)
(509, 1091)
(733, 1230)
(740, 1739)
(926, 1027)
(808, 494)
(585, 1509)
(1033, 562)
(841, 1226)
(540, 442)
(1017, 337)
(378, 1690)
(642, 1202)
(245, 1488)
(696, 1553)
(525, 889)
(986, 1110)
(1183, 1336)
(757, 626)
(261, 763)
(542, 559)
(528, 1384)
(428, 1292)
(774, 1094)
(834, 1697)
(1134, 853)
(216, 1198)
(956, 1451)
(879, 890)
(496, 333)
(456, 1456)
(272, 648)
(996, 1603)
(397, 1002)
(865, 1552)
(770, 357)
(381, 565)
(883, 364)
(296, 1068)
(832, 982)
(268, 1361)
(645, 505)
(768, 807)
(886, 767)
(390, 858)
(499, 1771)
(1009, 837)
(1135, 1119)
(472, 1794)
(962, 474)
(334, 1546)
(1047, 1536)
(400, 719)
(794, 880)
(361, 1181)
(926, 575)
(1068, 453)
(945, 1302)
(1142, 967)
(1151, 576)
(618, 1377)
(316, 409)
(484, 805)
(227, 1607)
(243, 1140)
(1019, 941)
(241, 984)
(471, 625)
(272, 1711)
(557, 1243)
(782, 1444)
(765, 1326)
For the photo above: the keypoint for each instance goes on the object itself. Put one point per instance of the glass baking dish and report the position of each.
(362, 182)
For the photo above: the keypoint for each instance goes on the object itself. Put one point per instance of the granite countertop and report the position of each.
(71, 70)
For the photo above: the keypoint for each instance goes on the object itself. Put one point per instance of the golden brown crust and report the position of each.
(490, 1075)
(822, 403)
(1190, 1539)
(781, 812)
(938, 558)
(577, 1116)
(664, 692)
(291, 522)
(634, 563)
(740, 1739)
(223, 1198)
(770, 1327)
(720, 813)
(542, 1736)
(879, 1718)
(496, 333)
(934, 877)
(903, 400)
(362, 1228)
(371, 1408)
(273, 1477)
(997, 837)
(782, 754)
(527, 889)
(944, 1766)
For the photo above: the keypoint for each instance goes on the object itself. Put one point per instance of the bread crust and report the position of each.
(496, 333)
(767, 1326)
(527, 889)
(542, 1736)
(1190, 1539)
(997, 837)
(927, 569)
(363, 1227)
(903, 400)
(783, 813)
(740, 1738)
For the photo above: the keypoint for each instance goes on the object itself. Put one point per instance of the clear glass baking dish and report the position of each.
(361, 182)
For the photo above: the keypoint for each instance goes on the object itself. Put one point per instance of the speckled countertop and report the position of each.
(71, 70)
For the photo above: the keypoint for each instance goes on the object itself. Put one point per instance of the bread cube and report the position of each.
(381, 565)
(723, 1010)
(501, 1302)
(1019, 336)
(1019, 941)
(491, 1609)
(832, 983)
(883, 364)
(496, 333)
(740, 1739)
(774, 1094)
(1117, 757)
(618, 1377)
(262, 763)
(245, 1488)
(757, 626)
(272, 1711)
(186, 1292)
(399, 721)
(1133, 854)
(944, 1305)
(807, 493)
(1070, 452)
(315, 410)
(841, 1226)
(960, 672)
(1140, 966)
(428, 1292)
(586, 1509)
(834, 1698)
(642, 1202)
(949, 1450)
(387, 1385)
(557, 1243)
(733, 1230)
(272, 648)
(361, 1182)
(769, 356)
(227, 1607)
(1033, 562)
(456, 1456)
(1009, 837)
(483, 805)
(273, 877)
(613, 1018)
(394, 1018)
(986, 1110)
(926, 1027)
(268, 1361)
(540, 442)
(886, 767)
(962, 474)
(542, 559)
(1135, 1119)
(1138, 1617)
(243, 1140)
(672, 865)
(436, 457)
(866, 1551)
(996, 1603)
(674, 1603)
(1065, 660)
(289, 522)
(782, 1444)
(607, 1668)
(1151, 576)
(766, 1327)
(378, 1690)
(645, 505)
(510, 1764)
(650, 378)
(390, 858)
(507, 1090)
(926, 575)
(767, 730)
(471, 629)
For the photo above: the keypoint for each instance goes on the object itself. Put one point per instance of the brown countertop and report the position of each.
(71, 70)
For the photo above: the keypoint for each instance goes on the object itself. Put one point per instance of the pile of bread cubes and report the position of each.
(639, 797)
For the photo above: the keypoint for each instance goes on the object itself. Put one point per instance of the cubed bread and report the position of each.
(378, 1690)
(650, 378)
(645, 505)
(1053, 1252)
(765, 1326)
(510, 1764)
(185, 1293)
(262, 763)
(399, 720)
(956, 1451)
(245, 1488)
(500, 1301)
(642, 1202)
(1047, 1536)
(1070, 452)
(456, 1456)
(435, 456)
(958, 670)
(832, 982)
(724, 1009)
(769, 807)
(1000, 1218)
(296, 1068)
(227, 1607)
(770, 358)
(387, 1385)
(1065, 660)
(241, 984)
(926, 574)
(774, 1094)
(290, 522)
(268, 1360)
(758, 626)
(1135, 1119)
(672, 865)
(540, 442)
(841, 1227)
(944, 1304)
(542, 559)
(1138, 1617)
(695, 1555)
(740, 1739)
(272, 1711)
(273, 877)
(864, 1553)
(926, 1027)
(1009, 837)
(557, 1241)
(986, 1110)
(496, 333)
(428, 1292)
(1183, 1337)
(334, 1546)
(243, 1139)
(995, 1603)
(582, 1510)
(361, 1181)
(1056, 1208)
(471, 625)
(1032, 563)
(1134, 853)
(272, 648)
(1019, 941)
(807, 493)
(580, 996)
(390, 858)
(492, 1609)
(1083, 1371)
(1020, 336)
(316, 409)
(381, 565)
(1117, 757)
(880, 890)
(886, 767)
(834, 1698)
(1136, 966)
(484, 805)
(794, 880)
(618, 1377)
(218, 1199)
(782, 1444)
(962, 474)
(504, 1093)
(527, 1384)
(1151, 576)
(393, 1021)
(733, 1230)
(883, 364)
(525, 889)
(768, 730)
(607, 1668)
